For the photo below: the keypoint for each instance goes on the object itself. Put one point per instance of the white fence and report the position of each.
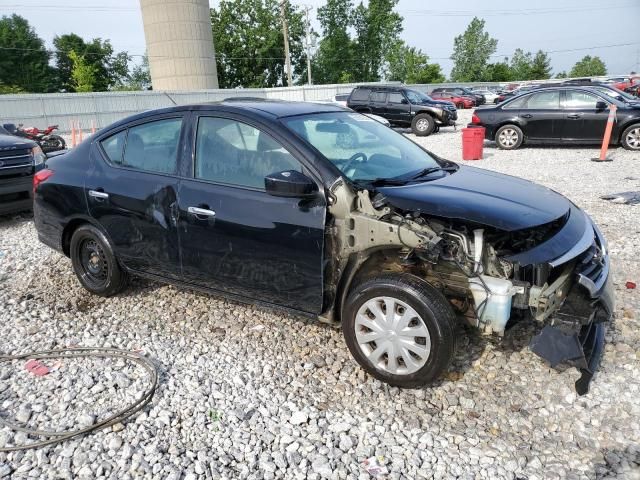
(104, 108)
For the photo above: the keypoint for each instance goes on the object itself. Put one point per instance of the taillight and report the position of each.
(475, 119)
(40, 177)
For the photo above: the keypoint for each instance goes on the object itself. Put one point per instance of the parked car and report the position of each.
(339, 100)
(404, 107)
(48, 141)
(479, 99)
(602, 88)
(489, 96)
(622, 82)
(329, 214)
(633, 90)
(457, 100)
(19, 158)
(559, 115)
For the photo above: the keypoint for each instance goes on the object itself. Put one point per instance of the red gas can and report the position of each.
(472, 143)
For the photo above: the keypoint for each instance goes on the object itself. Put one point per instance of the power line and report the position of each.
(507, 12)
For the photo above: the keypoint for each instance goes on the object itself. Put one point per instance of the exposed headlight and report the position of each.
(38, 156)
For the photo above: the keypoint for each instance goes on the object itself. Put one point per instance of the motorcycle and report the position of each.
(48, 141)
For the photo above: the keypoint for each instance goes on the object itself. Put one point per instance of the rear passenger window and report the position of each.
(544, 100)
(396, 97)
(113, 146)
(153, 146)
(360, 94)
(517, 103)
(235, 153)
(379, 97)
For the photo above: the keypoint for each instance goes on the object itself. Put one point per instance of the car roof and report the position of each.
(265, 108)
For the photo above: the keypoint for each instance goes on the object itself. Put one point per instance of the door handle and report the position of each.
(201, 212)
(527, 115)
(574, 116)
(98, 195)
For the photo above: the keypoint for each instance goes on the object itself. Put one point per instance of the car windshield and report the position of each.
(415, 96)
(615, 93)
(361, 148)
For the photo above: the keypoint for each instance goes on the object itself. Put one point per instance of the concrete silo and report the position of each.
(179, 44)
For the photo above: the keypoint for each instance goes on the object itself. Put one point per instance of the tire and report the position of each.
(509, 137)
(630, 138)
(94, 262)
(57, 142)
(429, 313)
(460, 106)
(422, 125)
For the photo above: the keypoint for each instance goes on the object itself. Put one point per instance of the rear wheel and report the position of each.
(631, 137)
(423, 124)
(400, 329)
(509, 137)
(94, 262)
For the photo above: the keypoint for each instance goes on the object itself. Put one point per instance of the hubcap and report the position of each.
(508, 137)
(633, 138)
(392, 336)
(422, 124)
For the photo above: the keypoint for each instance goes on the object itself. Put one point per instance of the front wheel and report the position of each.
(94, 262)
(509, 137)
(400, 329)
(631, 137)
(53, 143)
(423, 124)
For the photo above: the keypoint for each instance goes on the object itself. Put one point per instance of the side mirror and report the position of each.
(290, 183)
(600, 105)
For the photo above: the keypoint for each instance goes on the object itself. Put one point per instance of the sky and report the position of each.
(568, 30)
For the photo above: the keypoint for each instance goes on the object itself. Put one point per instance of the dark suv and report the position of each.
(462, 91)
(404, 107)
(19, 158)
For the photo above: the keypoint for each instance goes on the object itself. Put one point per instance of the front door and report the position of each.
(131, 190)
(398, 108)
(237, 238)
(583, 122)
(541, 116)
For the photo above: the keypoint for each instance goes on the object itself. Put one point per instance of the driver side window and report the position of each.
(235, 153)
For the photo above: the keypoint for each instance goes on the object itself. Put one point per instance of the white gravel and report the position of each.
(251, 393)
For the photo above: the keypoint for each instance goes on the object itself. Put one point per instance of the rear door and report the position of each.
(398, 108)
(378, 102)
(582, 121)
(541, 117)
(131, 190)
(237, 238)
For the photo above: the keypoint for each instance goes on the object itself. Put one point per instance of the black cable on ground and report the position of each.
(118, 417)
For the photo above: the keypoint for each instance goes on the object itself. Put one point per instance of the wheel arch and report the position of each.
(503, 123)
(72, 225)
(631, 122)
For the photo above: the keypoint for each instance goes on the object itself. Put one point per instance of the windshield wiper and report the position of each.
(428, 171)
(382, 182)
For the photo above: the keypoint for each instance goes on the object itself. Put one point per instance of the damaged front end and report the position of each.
(558, 272)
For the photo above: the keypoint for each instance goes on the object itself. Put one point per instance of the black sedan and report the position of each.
(327, 213)
(558, 115)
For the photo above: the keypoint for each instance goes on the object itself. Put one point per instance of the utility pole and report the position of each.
(285, 33)
(308, 45)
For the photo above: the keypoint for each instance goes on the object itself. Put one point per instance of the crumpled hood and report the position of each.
(482, 196)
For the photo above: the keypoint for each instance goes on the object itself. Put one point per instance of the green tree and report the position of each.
(249, 44)
(24, 61)
(521, 64)
(83, 74)
(540, 66)
(334, 61)
(498, 72)
(562, 74)
(471, 52)
(410, 65)
(111, 69)
(377, 29)
(588, 67)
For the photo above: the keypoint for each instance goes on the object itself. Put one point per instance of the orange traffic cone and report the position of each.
(80, 132)
(73, 134)
(93, 127)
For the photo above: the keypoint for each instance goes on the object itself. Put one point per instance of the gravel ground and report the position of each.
(253, 393)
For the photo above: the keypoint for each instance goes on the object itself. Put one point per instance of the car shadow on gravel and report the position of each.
(15, 219)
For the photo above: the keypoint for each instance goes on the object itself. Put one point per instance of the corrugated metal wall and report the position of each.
(104, 108)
